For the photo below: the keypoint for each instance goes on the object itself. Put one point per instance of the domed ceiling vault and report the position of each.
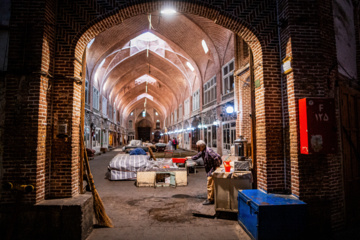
(120, 56)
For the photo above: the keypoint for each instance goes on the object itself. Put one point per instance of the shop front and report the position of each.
(228, 127)
(229, 135)
(96, 142)
(209, 129)
(195, 133)
(131, 136)
(186, 135)
(112, 136)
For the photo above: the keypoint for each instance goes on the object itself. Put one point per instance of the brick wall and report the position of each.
(308, 38)
(27, 96)
(243, 90)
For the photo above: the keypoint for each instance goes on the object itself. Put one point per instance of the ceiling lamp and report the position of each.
(168, 11)
(190, 66)
(229, 109)
(205, 47)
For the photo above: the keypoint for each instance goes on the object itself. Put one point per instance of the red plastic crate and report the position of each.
(179, 160)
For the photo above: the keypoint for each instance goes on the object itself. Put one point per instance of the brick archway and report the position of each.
(42, 90)
(239, 27)
(62, 51)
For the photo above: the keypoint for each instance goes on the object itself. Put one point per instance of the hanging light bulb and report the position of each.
(229, 109)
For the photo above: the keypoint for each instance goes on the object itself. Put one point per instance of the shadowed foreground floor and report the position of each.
(159, 213)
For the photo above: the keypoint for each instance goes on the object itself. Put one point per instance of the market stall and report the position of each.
(227, 185)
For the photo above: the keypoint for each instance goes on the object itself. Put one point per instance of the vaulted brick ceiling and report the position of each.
(113, 63)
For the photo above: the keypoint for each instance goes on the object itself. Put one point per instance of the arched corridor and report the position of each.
(116, 71)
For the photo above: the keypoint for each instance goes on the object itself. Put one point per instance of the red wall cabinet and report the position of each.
(317, 126)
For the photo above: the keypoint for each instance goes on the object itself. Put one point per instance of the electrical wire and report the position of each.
(150, 24)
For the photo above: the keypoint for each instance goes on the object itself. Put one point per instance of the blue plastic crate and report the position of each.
(271, 216)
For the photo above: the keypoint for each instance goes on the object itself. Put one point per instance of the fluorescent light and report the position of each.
(205, 47)
(230, 109)
(190, 66)
(168, 11)
(156, 114)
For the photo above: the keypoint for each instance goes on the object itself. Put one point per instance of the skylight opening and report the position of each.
(205, 47)
(168, 11)
(190, 66)
(145, 78)
(97, 70)
(147, 37)
(145, 95)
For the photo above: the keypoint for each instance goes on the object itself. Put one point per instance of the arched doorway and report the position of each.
(248, 36)
(195, 133)
(143, 128)
(267, 132)
(157, 136)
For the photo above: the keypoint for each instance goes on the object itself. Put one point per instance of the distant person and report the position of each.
(174, 142)
(212, 161)
(169, 145)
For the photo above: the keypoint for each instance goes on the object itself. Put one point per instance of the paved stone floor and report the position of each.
(166, 213)
(159, 213)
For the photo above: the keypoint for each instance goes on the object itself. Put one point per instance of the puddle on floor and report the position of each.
(202, 196)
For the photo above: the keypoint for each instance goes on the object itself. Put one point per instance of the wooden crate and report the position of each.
(148, 178)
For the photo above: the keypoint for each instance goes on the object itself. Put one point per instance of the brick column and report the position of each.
(25, 135)
(309, 39)
(27, 124)
(67, 103)
(269, 154)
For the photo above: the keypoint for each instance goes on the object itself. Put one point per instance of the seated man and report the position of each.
(212, 161)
